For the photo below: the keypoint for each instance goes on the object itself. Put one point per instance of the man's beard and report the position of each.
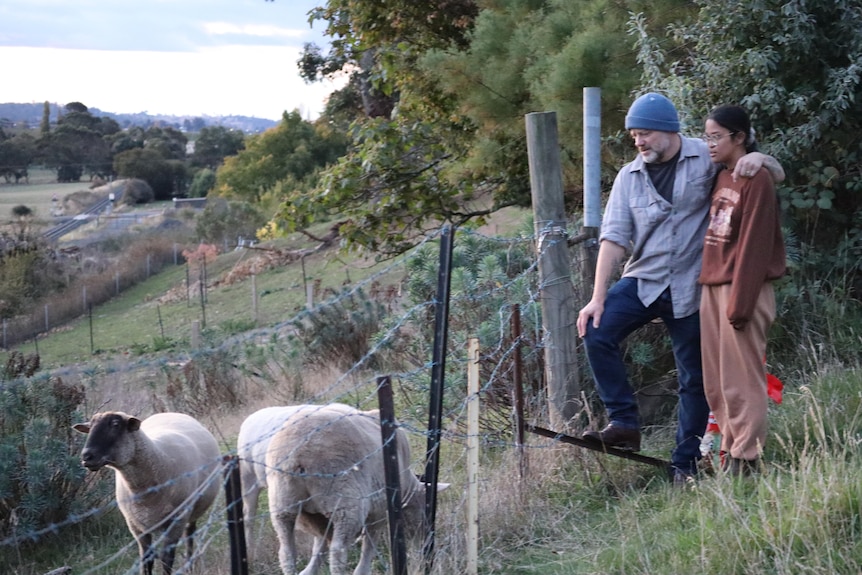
(651, 157)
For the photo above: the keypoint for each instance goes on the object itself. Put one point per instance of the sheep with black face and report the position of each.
(166, 470)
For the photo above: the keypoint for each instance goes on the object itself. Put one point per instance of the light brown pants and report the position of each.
(734, 374)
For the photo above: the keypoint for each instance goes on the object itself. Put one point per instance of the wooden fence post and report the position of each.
(559, 313)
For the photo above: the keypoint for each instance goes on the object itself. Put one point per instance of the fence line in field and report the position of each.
(356, 385)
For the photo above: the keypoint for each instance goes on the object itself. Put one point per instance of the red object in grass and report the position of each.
(774, 387)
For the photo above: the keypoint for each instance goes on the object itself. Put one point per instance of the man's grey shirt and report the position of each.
(665, 239)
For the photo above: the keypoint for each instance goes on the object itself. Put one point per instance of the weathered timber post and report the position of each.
(559, 314)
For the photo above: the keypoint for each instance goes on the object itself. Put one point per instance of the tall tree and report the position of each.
(45, 126)
(281, 157)
(454, 150)
(168, 142)
(79, 144)
(16, 155)
(214, 144)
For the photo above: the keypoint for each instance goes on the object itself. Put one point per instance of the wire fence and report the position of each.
(260, 360)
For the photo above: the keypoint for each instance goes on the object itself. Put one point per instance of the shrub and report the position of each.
(164, 176)
(204, 385)
(488, 277)
(340, 332)
(27, 272)
(222, 220)
(202, 183)
(41, 478)
(137, 192)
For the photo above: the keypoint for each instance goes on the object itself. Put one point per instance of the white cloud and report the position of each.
(179, 57)
(254, 81)
(258, 30)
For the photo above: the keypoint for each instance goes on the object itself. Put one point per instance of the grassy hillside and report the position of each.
(550, 508)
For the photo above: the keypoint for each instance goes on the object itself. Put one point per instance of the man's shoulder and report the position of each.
(636, 165)
(694, 147)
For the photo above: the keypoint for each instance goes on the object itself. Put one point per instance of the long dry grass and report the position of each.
(551, 508)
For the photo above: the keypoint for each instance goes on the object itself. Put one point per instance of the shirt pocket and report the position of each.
(647, 209)
(697, 191)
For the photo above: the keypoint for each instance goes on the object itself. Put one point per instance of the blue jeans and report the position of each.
(623, 314)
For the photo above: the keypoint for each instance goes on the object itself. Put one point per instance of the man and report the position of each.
(657, 211)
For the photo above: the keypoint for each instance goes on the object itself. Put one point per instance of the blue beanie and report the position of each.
(652, 112)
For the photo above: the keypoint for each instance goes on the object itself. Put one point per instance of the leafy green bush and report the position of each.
(28, 271)
(202, 183)
(137, 191)
(41, 477)
(489, 277)
(222, 219)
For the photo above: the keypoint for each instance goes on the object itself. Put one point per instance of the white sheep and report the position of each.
(166, 475)
(325, 474)
(255, 433)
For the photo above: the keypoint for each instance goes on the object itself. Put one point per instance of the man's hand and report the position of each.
(747, 165)
(593, 310)
(750, 164)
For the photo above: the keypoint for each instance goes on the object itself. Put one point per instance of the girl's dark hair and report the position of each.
(735, 119)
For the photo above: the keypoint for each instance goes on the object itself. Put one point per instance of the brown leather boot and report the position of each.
(628, 438)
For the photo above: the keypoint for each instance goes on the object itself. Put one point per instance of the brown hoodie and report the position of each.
(743, 244)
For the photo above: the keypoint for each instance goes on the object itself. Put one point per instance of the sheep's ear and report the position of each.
(443, 486)
(134, 424)
(82, 427)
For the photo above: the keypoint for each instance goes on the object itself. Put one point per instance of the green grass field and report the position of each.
(160, 311)
(37, 195)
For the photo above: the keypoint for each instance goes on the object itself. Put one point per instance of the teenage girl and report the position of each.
(743, 254)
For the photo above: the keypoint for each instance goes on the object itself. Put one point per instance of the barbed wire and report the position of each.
(501, 352)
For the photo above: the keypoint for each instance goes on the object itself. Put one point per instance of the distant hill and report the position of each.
(31, 114)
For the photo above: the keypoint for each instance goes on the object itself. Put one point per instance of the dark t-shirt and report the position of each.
(663, 176)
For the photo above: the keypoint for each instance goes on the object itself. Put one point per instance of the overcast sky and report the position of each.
(181, 57)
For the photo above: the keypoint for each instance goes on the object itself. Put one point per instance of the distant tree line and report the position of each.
(80, 145)
(27, 116)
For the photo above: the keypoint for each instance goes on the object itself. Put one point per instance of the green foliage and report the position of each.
(169, 143)
(27, 274)
(340, 331)
(235, 326)
(23, 216)
(16, 155)
(223, 219)
(292, 151)
(379, 51)
(464, 78)
(149, 165)
(80, 144)
(214, 144)
(202, 182)
(394, 187)
(137, 191)
(21, 211)
(489, 277)
(795, 68)
(41, 478)
(159, 344)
